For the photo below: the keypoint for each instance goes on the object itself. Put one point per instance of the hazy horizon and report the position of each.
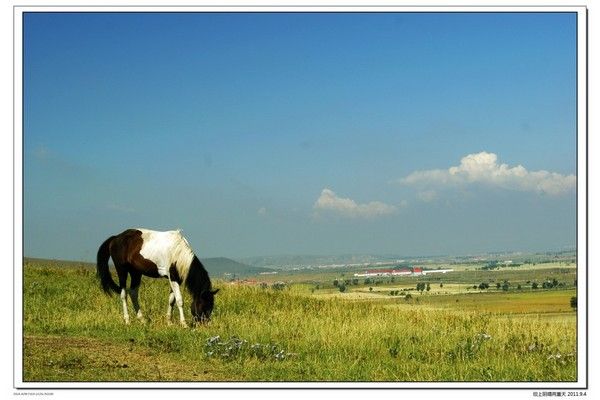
(382, 256)
(301, 133)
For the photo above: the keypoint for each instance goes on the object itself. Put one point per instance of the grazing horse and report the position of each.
(156, 254)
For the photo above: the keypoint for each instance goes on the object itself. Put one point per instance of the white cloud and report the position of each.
(483, 168)
(427, 195)
(329, 201)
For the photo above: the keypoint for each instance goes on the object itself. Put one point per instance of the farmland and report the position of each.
(308, 330)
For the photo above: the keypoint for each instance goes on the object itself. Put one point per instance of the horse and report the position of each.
(137, 252)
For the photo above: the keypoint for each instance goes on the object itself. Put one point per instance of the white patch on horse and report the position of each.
(165, 249)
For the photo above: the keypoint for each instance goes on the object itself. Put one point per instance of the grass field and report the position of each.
(73, 332)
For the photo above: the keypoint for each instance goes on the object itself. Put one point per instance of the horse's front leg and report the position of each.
(178, 301)
(170, 307)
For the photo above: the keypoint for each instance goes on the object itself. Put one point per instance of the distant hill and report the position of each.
(219, 266)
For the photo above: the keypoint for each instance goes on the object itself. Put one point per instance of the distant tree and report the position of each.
(370, 289)
(336, 282)
(342, 288)
(519, 287)
(498, 285)
(368, 281)
(483, 286)
(574, 302)
(408, 297)
(474, 286)
(534, 285)
(355, 281)
(505, 286)
(441, 285)
(428, 288)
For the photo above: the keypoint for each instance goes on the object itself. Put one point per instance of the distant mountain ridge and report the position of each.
(217, 267)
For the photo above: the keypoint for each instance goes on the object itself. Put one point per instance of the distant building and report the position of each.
(436, 271)
(375, 272)
(390, 272)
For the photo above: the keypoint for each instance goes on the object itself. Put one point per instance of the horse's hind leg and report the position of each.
(122, 274)
(136, 280)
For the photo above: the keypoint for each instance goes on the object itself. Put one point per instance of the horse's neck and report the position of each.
(182, 257)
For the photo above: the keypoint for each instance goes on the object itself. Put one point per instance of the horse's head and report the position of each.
(203, 305)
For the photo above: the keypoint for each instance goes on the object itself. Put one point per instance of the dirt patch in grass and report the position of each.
(80, 359)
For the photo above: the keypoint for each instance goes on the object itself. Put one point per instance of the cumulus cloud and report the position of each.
(427, 195)
(329, 201)
(483, 168)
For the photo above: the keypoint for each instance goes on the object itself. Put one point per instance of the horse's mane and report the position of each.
(189, 267)
(182, 256)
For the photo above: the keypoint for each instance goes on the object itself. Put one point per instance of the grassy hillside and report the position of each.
(219, 266)
(216, 266)
(73, 332)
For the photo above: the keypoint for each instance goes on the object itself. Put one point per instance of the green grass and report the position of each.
(73, 332)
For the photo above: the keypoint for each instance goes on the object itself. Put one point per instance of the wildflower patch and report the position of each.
(237, 348)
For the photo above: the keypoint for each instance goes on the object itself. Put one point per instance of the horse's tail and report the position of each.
(108, 284)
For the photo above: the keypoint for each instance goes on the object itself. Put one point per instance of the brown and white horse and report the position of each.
(138, 252)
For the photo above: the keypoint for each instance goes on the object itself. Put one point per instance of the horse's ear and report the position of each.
(215, 291)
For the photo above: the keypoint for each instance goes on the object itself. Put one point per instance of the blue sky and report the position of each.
(301, 133)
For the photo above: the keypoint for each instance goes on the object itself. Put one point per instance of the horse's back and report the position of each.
(162, 247)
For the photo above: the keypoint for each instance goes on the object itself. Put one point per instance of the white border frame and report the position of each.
(582, 251)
